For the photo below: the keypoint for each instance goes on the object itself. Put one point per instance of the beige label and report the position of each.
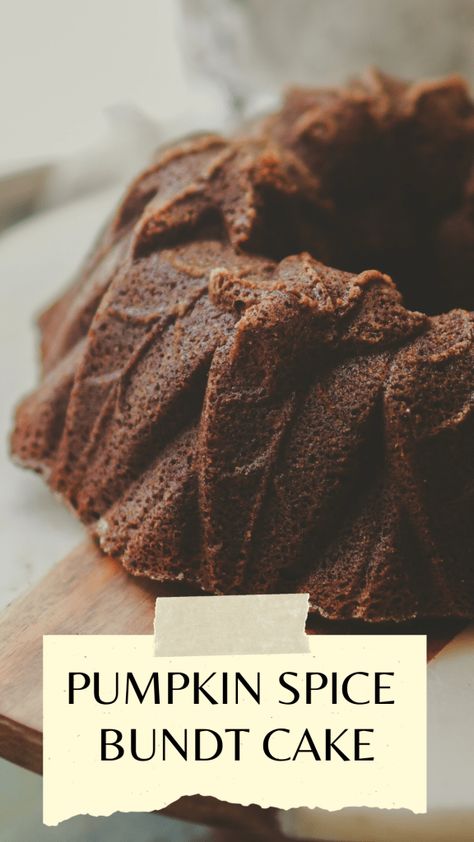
(250, 745)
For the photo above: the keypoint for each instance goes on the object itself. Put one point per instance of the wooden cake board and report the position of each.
(87, 593)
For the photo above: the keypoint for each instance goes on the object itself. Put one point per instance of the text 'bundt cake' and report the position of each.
(222, 408)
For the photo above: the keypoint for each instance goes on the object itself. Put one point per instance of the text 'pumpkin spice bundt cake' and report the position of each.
(222, 408)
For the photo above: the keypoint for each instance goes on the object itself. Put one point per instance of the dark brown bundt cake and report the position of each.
(221, 407)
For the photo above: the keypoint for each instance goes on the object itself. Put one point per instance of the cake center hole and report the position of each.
(430, 261)
(399, 202)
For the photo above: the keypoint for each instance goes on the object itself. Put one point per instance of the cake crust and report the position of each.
(221, 406)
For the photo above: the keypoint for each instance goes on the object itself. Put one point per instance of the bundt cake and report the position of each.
(221, 407)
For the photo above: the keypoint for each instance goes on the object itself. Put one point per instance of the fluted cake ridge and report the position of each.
(222, 406)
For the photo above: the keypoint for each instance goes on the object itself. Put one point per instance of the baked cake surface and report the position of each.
(222, 407)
